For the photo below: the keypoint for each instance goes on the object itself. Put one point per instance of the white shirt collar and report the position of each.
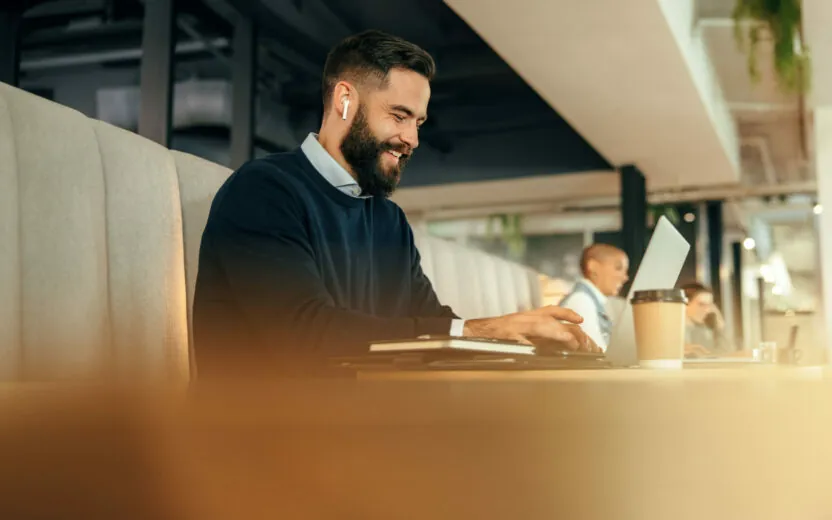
(595, 290)
(329, 168)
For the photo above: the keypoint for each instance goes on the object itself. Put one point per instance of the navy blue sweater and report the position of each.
(290, 268)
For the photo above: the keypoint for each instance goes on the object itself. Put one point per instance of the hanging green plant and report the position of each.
(780, 20)
(511, 233)
(668, 211)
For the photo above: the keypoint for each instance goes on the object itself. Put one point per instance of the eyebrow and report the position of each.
(409, 112)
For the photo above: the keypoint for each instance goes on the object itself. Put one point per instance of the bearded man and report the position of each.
(304, 257)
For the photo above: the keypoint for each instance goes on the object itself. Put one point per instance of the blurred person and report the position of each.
(304, 256)
(604, 270)
(705, 326)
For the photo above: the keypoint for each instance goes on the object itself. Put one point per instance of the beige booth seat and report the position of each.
(476, 284)
(99, 234)
(99, 241)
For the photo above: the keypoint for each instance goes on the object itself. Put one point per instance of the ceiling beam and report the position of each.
(339, 10)
(127, 33)
(587, 191)
(285, 35)
(72, 8)
(291, 57)
(589, 62)
(282, 40)
(114, 56)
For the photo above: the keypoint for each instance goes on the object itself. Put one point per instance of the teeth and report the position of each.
(397, 154)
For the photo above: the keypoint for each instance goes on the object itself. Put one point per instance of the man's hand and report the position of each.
(719, 321)
(549, 324)
(695, 351)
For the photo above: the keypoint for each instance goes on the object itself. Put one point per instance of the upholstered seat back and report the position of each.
(99, 240)
(92, 225)
(474, 283)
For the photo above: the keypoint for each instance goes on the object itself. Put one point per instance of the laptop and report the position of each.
(659, 269)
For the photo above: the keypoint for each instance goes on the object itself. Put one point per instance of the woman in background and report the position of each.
(604, 269)
(705, 327)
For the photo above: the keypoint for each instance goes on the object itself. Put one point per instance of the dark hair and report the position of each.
(694, 289)
(372, 55)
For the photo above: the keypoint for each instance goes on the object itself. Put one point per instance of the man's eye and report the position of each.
(398, 118)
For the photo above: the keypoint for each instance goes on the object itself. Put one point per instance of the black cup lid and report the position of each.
(660, 295)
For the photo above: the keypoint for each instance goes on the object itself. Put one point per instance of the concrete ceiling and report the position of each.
(479, 106)
(817, 15)
(544, 193)
(632, 77)
(775, 140)
(776, 134)
(485, 121)
(731, 65)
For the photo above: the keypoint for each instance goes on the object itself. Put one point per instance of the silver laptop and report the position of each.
(659, 269)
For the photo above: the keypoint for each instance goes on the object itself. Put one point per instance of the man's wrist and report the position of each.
(457, 328)
(476, 329)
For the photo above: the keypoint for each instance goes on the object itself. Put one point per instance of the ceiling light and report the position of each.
(689, 217)
(767, 273)
(777, 290)
(749, 243)
(818, 209)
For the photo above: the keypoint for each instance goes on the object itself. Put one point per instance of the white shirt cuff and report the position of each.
(457, 328)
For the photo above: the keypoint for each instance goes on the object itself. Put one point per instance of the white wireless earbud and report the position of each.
(346, 107)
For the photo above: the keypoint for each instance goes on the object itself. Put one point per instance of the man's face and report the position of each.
(384, 131)
(611, 273)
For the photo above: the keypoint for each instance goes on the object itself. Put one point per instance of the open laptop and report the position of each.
(659, 269)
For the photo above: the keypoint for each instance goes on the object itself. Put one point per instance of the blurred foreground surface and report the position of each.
(639, 447)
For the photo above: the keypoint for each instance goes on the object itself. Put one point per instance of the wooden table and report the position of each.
(700, 372)
(750, 443)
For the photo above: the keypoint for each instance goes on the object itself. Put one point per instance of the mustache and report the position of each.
(401, 148)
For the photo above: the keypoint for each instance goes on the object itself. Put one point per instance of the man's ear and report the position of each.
(344, 99)
(591, 266)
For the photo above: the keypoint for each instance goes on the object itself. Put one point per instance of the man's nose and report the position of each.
(410, 137)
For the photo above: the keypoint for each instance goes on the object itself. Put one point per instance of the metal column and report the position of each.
(633, 216)
(11, 15)
(823, 164)
(761, 290)
(243, 76)
(715, 238)
(158, 40)
(688, 231)
(736, 287)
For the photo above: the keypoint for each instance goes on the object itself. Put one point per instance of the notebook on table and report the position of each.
(452, 344)
(708, 360)
(454, 353)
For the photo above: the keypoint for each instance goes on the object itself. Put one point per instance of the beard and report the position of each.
(363, 152)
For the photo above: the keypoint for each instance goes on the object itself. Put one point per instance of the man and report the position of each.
(604, 269)
(303, 255)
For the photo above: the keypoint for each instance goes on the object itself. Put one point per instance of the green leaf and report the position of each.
(782, 20)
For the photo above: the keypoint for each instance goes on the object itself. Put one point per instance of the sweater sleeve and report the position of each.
(262, 245)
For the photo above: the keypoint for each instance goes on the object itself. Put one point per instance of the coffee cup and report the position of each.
(659, 322)
(765, 353)
(788, 356)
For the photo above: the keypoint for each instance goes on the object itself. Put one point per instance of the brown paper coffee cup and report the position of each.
(659, 322)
